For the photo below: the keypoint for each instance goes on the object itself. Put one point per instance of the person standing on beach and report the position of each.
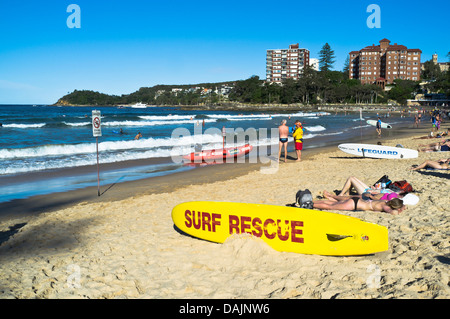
(283, 132)
(378, 127)
(298, 139)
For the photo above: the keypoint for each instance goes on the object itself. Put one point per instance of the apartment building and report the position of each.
(382, 64)
(282, 64)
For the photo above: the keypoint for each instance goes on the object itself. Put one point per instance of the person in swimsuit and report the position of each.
(364, 196)
(439, 164)
(138, 136)
(283, 132)
(443, 146)
(359, 186)
(394, 206)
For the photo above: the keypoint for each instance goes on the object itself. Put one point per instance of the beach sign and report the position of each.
(287, 229)
(97, 131)
(96, 123)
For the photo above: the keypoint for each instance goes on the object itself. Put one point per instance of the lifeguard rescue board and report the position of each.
(378, 151)
(374, 123)
(287, 229)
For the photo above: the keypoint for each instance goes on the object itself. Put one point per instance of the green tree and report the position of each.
(248, 91)
(403, 90)
(346, 68)
(326, 58)
(430, 71)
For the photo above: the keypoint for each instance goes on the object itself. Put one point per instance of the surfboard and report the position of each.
(378, 151)
(212, 155)
(374, 123)
(287, 229)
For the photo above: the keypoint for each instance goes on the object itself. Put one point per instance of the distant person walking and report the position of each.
(283, 132)
(378, 127)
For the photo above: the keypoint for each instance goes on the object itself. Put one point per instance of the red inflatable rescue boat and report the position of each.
(211, 155)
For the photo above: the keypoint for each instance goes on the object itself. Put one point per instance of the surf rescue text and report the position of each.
(283, 229)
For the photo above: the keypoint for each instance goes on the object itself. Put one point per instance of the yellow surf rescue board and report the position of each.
(287, 229)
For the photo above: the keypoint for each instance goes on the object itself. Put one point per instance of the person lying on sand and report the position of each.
(443, 146)
(439, 164)
(360, 187)
(394, 206)
(408, 199)
(437, 135)
(364, 196)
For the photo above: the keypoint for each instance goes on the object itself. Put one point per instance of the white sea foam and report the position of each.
(14, 125)
(166, 117)
(77, 124)
(316, 128)
(61, 156)
(154, 123)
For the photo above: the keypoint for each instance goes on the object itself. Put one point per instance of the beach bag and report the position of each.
(304, 199)
(401, 187)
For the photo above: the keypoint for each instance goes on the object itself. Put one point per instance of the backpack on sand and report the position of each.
(304, 199)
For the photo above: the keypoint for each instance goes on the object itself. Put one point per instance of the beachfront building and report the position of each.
(282, 64)
(314, 64)
(382, 64)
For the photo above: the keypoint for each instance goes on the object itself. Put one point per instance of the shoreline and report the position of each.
(124, 245)
(37, 204)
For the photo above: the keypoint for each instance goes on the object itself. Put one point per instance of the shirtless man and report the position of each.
(283, 132)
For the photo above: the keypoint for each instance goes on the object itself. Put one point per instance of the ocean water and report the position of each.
(50, 138)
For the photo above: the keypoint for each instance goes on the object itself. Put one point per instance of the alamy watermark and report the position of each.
(373, 281)
(374, 20)
(74, 19)
(263, 145)
(74, 278)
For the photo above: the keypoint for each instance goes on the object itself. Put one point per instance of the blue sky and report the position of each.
(124, 45)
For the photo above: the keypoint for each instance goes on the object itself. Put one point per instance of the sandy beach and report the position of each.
(123, 244)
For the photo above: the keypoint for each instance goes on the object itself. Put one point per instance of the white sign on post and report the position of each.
(96, 123)
(97, 131)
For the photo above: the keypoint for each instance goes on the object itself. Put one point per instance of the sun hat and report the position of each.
(410, 199)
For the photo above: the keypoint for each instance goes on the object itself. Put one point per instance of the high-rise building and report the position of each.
(314, 64)
(382, 64)
(282, 64)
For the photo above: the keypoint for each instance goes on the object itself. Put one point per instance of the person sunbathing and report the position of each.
(364, 196)
(437, 135)
(407, 198)
(360, 187)
(394, 206)
(435, 147)
(439, 164)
